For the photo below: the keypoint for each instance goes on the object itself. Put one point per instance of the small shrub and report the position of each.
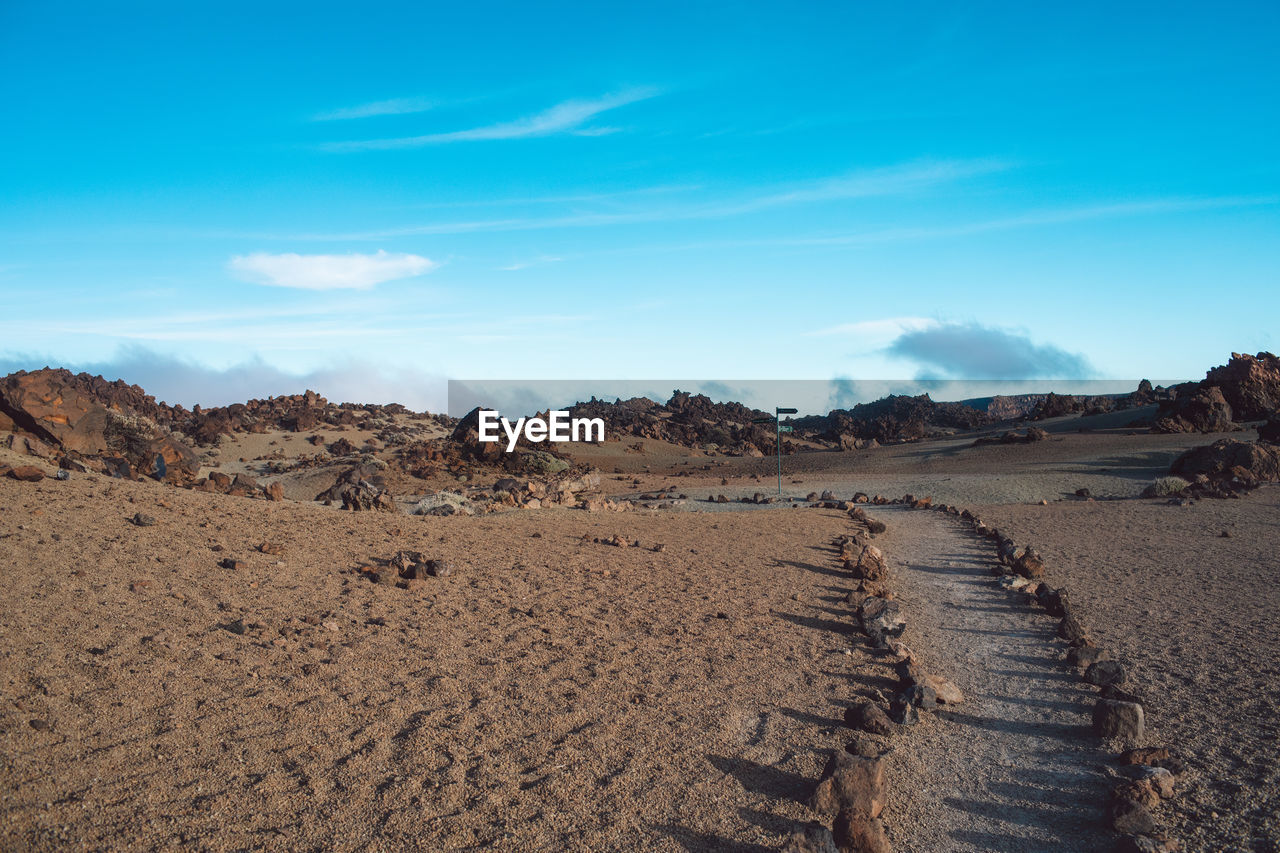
(1164, 487)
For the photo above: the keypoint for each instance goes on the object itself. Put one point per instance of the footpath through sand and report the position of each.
(1016, 766)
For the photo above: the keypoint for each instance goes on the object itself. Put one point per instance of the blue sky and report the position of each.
(250, 197)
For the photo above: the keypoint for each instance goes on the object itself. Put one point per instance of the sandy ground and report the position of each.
(551, 694)
(1194, 616)
(558, 694)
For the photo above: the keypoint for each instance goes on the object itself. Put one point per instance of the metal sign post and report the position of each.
(777, 420)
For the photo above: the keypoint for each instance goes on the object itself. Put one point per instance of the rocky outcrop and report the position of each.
(1195, 409)
(893, 419)
(98, 422)
(688, 420)
(1228, 466)
(1250, 384)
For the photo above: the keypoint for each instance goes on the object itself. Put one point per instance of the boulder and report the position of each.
(1029, 564)
(856, 833)
(1115, 719)
(869, 564)
(1228, 460)
(1198, 410)
(869, 717)
(811, 838)
(27, 473)
(1105, 673)
(902, 712)
(1130, 817)
(1084, 656)
(1071, 630)
(881, 618)
(1159, 779)
(947, 692)
(1154, 756)
(1140, 791)
(850, 783)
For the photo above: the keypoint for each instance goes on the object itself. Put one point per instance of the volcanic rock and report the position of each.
(1118, 719)
(869, 717)
(881, 617)
(811, 838)
(1105, 673)
(850, 783)
(1227, 462)
(855, 833)
(1199, 409)
(1250, 384)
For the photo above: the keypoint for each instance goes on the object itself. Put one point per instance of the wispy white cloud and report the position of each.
(391, 107)
(895, 180)
(565, 117)
(524, 265)
(328, 272)
(1151, 207)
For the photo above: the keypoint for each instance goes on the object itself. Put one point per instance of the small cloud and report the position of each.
(524, 265)
(328, 272)
(391, 107)
(974, 351)
(565, 117)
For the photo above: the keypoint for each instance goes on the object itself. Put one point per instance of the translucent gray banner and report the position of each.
(524, 397)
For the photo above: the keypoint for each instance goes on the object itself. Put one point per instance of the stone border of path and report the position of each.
(1146, 773)
(851, 791)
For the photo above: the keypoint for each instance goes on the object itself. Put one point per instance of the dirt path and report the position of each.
(1015, 767)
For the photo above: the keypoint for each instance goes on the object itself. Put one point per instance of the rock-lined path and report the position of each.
(1016, 766)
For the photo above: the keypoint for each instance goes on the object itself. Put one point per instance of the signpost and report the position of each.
(777, 419)
(781, 428)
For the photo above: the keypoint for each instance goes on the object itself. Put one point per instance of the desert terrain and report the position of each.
(605, 655)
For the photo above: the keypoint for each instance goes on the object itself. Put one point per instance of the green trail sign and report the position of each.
(784, 428)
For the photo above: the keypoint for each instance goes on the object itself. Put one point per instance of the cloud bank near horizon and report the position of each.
(177, 381)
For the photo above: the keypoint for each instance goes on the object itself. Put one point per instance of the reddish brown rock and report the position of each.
(1029, 564)
(1130, 817)
(811, 838)
(851, 783)
(27, 473)
(1198, 409)
(869, 564)
(87, 415)
(855, 833)
(1140, 791)
(869, 717)
(1250, 384)
(1228, 459)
